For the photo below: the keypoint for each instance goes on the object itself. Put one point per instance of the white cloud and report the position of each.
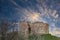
(57, 31)
(54, 14)
(54, 30)
(43, 8)
(43, 11)
(47, 12)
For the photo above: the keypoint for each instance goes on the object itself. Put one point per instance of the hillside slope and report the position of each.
(43, 37)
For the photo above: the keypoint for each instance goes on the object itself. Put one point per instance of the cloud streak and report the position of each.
(40, 8)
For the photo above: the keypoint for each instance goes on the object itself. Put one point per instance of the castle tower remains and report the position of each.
(26, 28)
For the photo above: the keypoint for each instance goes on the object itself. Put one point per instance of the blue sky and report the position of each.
(47, 11)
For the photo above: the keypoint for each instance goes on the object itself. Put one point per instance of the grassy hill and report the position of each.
(43, 37)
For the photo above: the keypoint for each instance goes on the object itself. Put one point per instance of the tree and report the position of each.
(3, 29)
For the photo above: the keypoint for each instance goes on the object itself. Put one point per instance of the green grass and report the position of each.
(43, 37)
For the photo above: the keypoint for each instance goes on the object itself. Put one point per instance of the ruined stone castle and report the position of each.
(27, 28)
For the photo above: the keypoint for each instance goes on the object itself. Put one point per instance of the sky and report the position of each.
(47, 11)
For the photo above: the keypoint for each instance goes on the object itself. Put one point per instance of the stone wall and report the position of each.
(39, 28)
(27, 28)
(23, 30)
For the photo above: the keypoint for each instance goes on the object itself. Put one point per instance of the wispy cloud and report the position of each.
(41, 9)
(54, 30)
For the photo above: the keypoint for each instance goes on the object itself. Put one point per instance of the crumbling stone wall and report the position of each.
(23, 30)
(27, 28)
(39, 28)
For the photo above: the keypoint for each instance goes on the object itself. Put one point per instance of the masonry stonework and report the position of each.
(27, 28)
